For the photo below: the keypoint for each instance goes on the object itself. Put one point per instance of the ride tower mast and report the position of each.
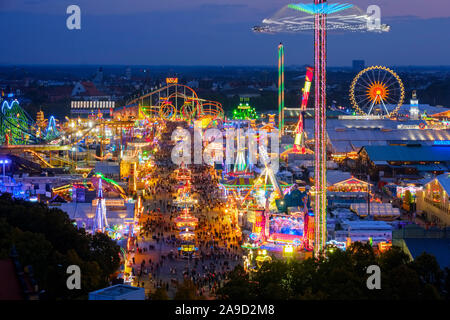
(281, 89)
(320, 133)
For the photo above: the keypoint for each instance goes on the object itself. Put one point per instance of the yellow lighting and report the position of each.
(288, 249)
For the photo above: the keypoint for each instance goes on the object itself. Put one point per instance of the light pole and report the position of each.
(4, 162)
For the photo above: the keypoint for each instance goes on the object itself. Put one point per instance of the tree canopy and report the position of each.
(341, 275)
(47, 240)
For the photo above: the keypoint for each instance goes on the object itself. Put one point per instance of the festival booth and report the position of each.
(379, 211)
(344, 189)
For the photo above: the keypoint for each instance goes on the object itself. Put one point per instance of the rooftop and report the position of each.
(437, 247)
(117, 290)
(408, 153)
(444, 181)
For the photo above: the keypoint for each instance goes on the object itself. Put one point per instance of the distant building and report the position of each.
(119, 212)
(193, 84)
(414, 240)
(358, 65)
(362, 230)
(79, 108)
(58, 93)
(128, 73)
(434, 201)
(404, 160)
(98, 78)
(87, 90)
(414, 107)
(118, 292)
(205, 83)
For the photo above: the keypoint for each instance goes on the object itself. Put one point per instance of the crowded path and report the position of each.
(157, 261)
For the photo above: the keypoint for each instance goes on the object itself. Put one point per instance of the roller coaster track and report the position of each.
(39, 157)
(6, 124)
(192, 104)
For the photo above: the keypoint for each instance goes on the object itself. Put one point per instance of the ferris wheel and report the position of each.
(377, 90)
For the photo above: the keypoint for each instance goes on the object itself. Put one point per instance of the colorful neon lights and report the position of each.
(300, 137)
(171, 80)
(320, 152)
(281, 88)
(320, 7)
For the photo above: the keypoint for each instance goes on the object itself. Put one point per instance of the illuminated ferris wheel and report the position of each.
(377, 90)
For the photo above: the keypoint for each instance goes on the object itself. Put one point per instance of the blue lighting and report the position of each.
(7, 104)
(321, 8)
(442, 143)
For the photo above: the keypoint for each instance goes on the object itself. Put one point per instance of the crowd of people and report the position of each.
(158, 262)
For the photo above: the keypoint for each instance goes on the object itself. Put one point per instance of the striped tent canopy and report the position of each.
(239, 183)
(243, 183)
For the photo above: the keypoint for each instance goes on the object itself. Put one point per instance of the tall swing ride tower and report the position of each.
(281, 88)
(320, 132)
(319, 16)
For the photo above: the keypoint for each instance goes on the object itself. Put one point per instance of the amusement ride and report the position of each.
(319, 16)
(377, 90)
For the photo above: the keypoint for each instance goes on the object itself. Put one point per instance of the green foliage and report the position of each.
(47, 240)
(186, 291)
(238, 286)
(341, 275)
(160, 294)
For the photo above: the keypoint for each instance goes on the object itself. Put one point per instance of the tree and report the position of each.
(404, 283)
(160, 294)
(428, 269)
(341, 275)
(47, 240)
(238, 286)
(186, 291)
(105, 252)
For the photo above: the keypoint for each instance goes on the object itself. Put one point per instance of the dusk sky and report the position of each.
(200, 32)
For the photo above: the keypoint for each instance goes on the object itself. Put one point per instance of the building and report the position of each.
(344, 189)
(414, 240)
(87, 90)
(119, 213)
(434, 202)
(363, 231)
(404, 161)
(80, 108)
(128, 73)
(118, 292)
(98, 78)
(377, 211)
(358, 65)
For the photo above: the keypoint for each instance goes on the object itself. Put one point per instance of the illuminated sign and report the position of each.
(110, 202)
(306, 89)
(442, 143)
(384, 246)
(340, 244)
(407, 126)
(171, 80)
(188, 247)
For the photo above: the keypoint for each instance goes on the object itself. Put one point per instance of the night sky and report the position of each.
(201, 32)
